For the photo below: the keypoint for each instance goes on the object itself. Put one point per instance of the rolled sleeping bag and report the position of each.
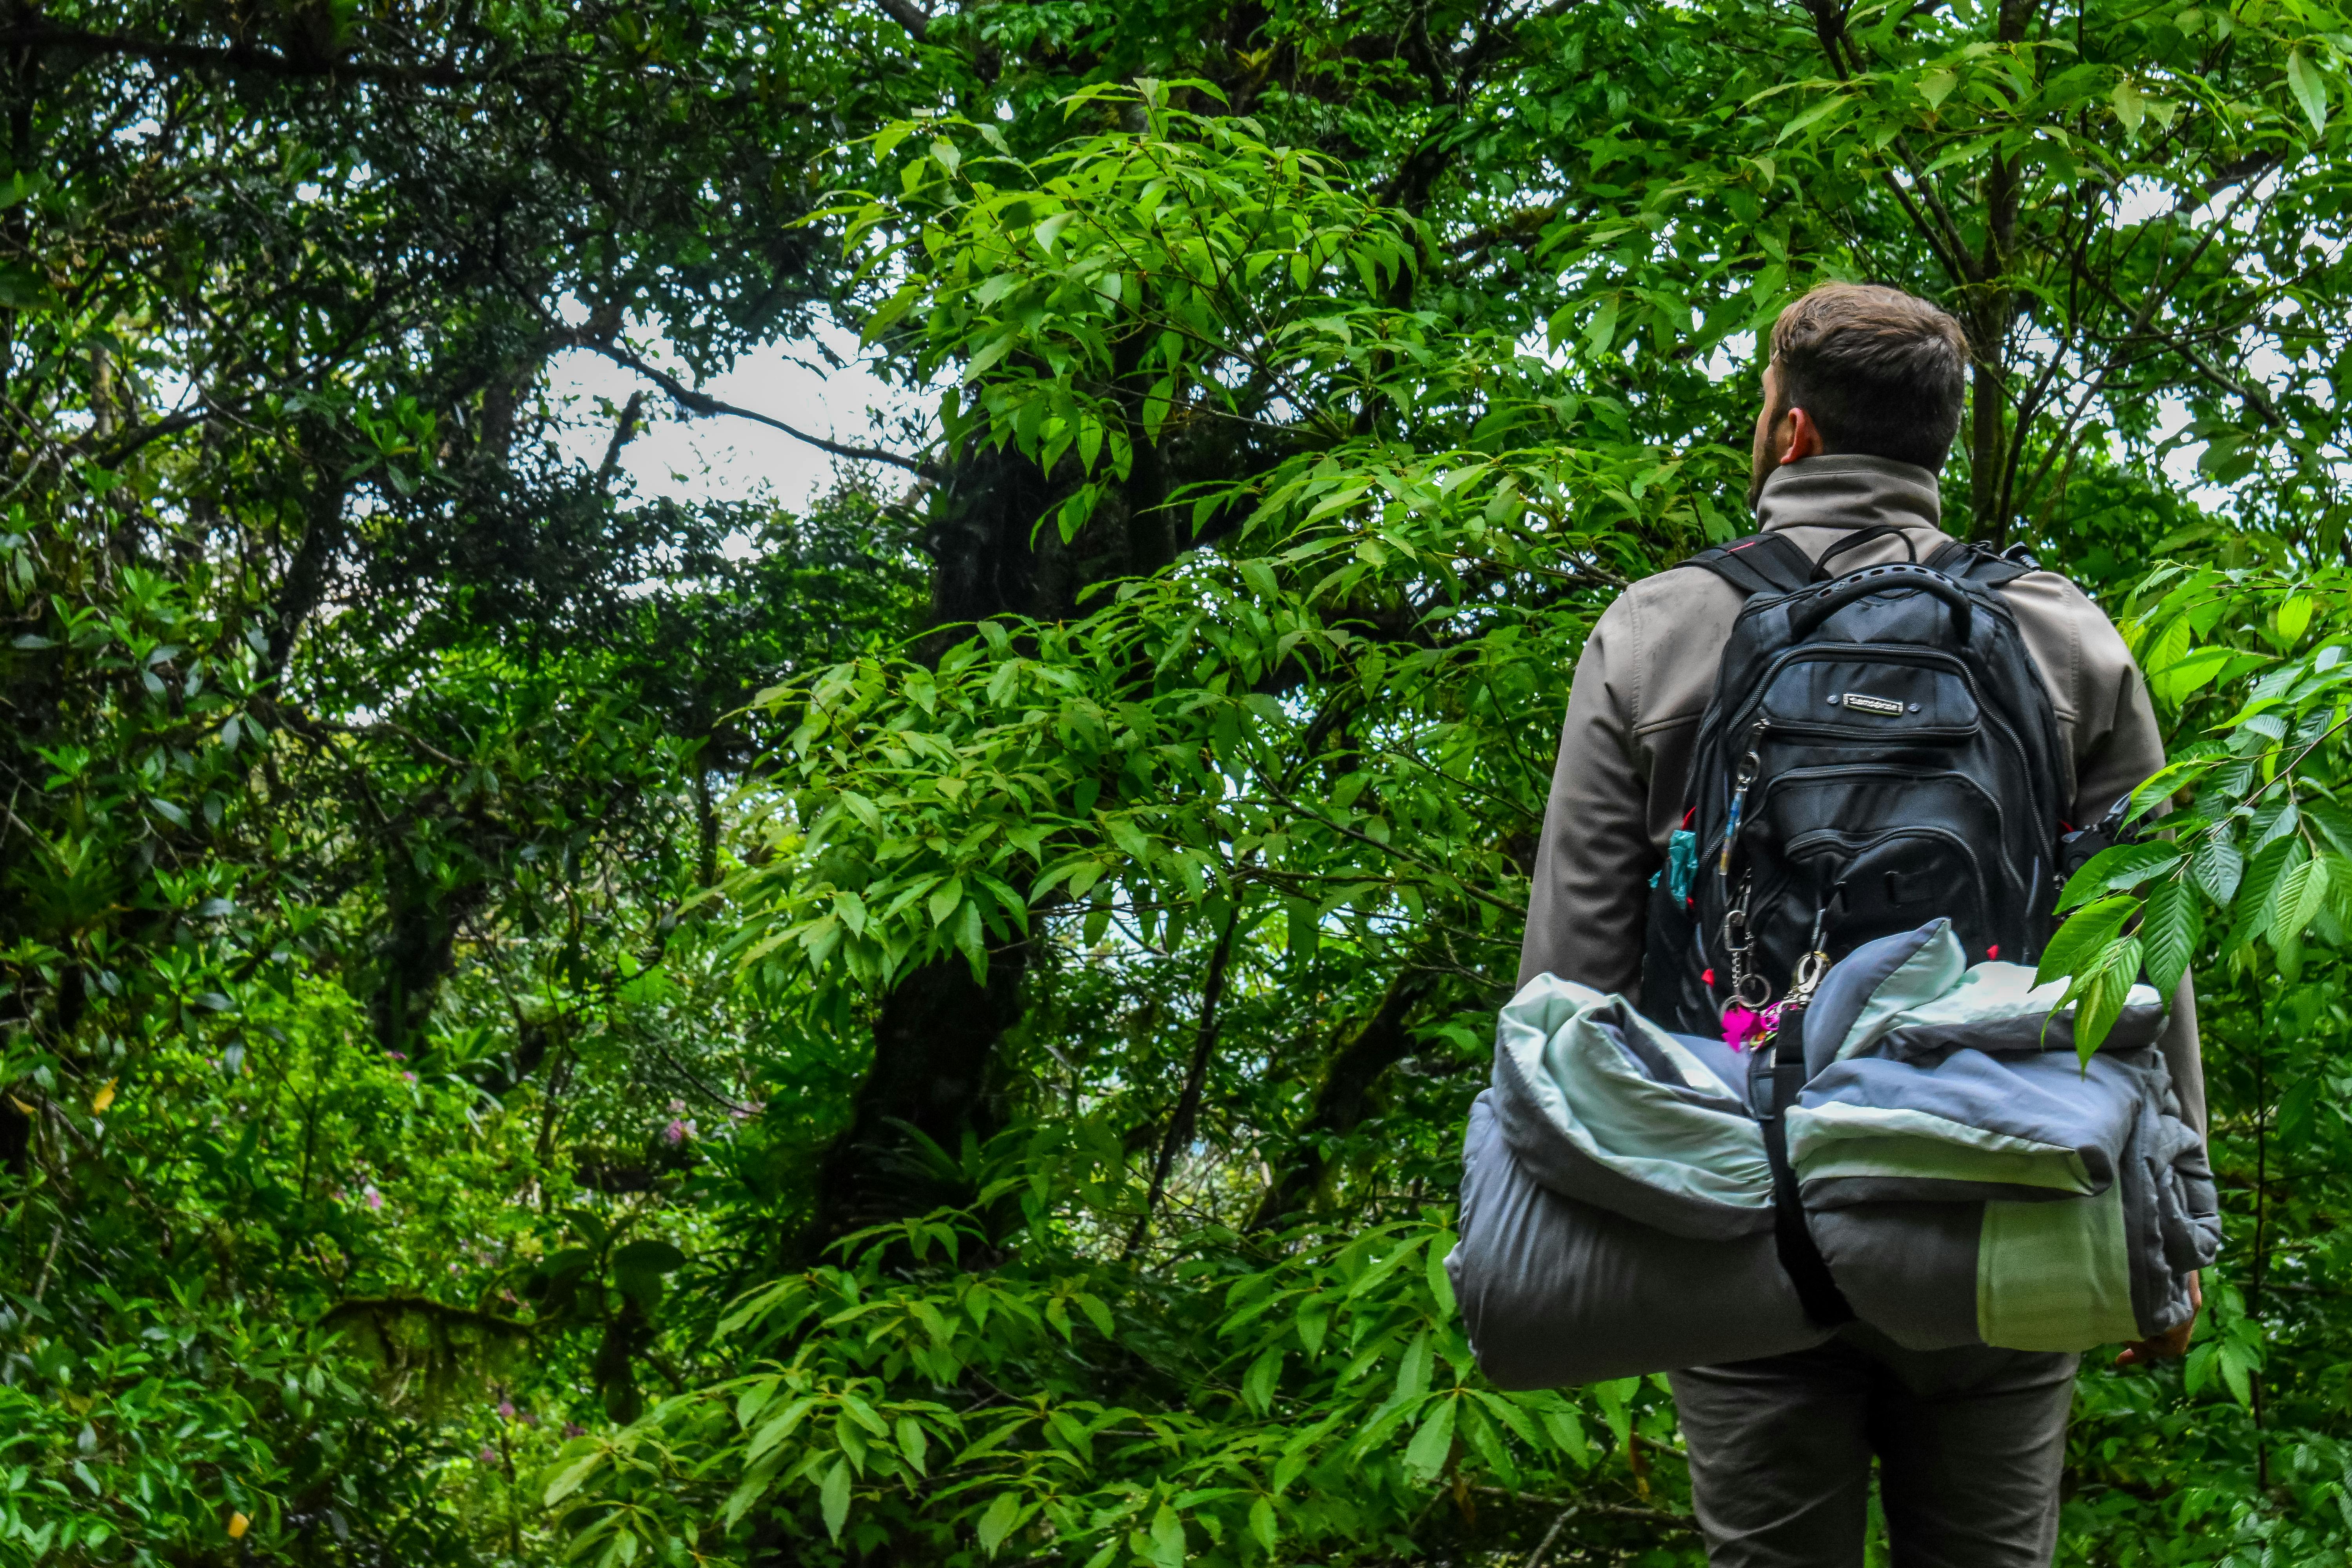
(1616, 1202)
(1555, 1291)
(1617, 1214)
(1970, 1181)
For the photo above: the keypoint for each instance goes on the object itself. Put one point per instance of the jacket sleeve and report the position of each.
(2118, 747)
(1586, 909)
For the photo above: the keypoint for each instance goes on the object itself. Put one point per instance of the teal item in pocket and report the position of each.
(1682, 863)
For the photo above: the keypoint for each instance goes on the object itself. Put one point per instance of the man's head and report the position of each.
(1857, 368)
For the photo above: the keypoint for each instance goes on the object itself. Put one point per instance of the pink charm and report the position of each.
(1741, 1026)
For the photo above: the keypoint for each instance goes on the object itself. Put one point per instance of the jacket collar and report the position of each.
(1847, 490)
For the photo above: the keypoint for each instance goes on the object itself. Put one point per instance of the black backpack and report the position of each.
(1879, 751)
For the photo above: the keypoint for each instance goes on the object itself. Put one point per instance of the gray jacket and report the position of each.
(1649, 667)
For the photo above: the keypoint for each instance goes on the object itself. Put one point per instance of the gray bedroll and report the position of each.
(1966, 1179)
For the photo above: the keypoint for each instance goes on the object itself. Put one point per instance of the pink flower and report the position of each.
(408, 1077)
(488, 1455)
(574, 1429)
(506, 1409)
(674, 1134)
(370, 1197)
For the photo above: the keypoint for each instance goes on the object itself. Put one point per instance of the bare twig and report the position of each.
(1543, 1547)
(1187, 1103)
(702, 402)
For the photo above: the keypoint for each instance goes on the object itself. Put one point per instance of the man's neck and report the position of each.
(1848, 490)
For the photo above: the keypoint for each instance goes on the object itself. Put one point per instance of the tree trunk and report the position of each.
(1993, 310)
(934, 1059)
(1987, 447)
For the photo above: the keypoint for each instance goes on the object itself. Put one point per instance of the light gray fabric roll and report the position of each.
(1556, 1292)
(1615, 1208)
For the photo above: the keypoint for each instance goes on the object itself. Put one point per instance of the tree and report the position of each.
(939, 1028)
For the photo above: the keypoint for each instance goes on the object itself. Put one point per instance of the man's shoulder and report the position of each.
(2049, 594)
(1678, 587)
(1651, 614)
(1657, 645)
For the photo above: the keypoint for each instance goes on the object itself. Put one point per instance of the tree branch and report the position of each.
(908, 16)
(702, 402)
(1187, 1103)
(235, 60)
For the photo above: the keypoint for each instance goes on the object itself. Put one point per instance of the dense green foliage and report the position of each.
(544, 1023)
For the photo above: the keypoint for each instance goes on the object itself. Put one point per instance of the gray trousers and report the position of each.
(1970, 1444)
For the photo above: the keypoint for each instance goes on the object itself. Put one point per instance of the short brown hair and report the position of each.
(1879, 372)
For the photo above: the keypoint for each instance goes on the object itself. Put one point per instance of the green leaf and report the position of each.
(913, 1443)
(1936, 86)
(1615, 1401)
(1314, 1322)
(2302, 890)
(2293, 615)
(1441, 1285)
(2121, 867)
(2099, 995)
(2176, 683)
(1258, 1384)
(1263, 1524)
(2256, 895)
(998, 1521)
(1426, 1455)
(1168, 1538)
(1602, 333)
(1412, 1373)
(1810, 117)
(2310, 90)
(971, 940)
(2216, 866)
(649, 1257)
(1564, 1428)
(1301, 930)
(2130, 104)
(2237, 1372)
(2089, 931)
(776, 1429)
(567, 1480)
(639, 1268)
(2168, 933)
(834, 1496)
(2333, 823)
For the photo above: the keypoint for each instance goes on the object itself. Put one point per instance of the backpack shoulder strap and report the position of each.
(1759, 563)
(1981, 564)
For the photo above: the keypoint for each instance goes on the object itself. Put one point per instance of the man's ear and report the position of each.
(1804, 439)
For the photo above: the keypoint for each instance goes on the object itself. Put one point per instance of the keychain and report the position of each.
(1747, 1028)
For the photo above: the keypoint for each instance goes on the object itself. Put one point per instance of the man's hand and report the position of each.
(2175, 1344)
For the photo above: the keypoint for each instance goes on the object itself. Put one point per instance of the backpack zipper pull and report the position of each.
(1749, 766)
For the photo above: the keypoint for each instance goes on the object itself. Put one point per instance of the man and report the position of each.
(1863, 395)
